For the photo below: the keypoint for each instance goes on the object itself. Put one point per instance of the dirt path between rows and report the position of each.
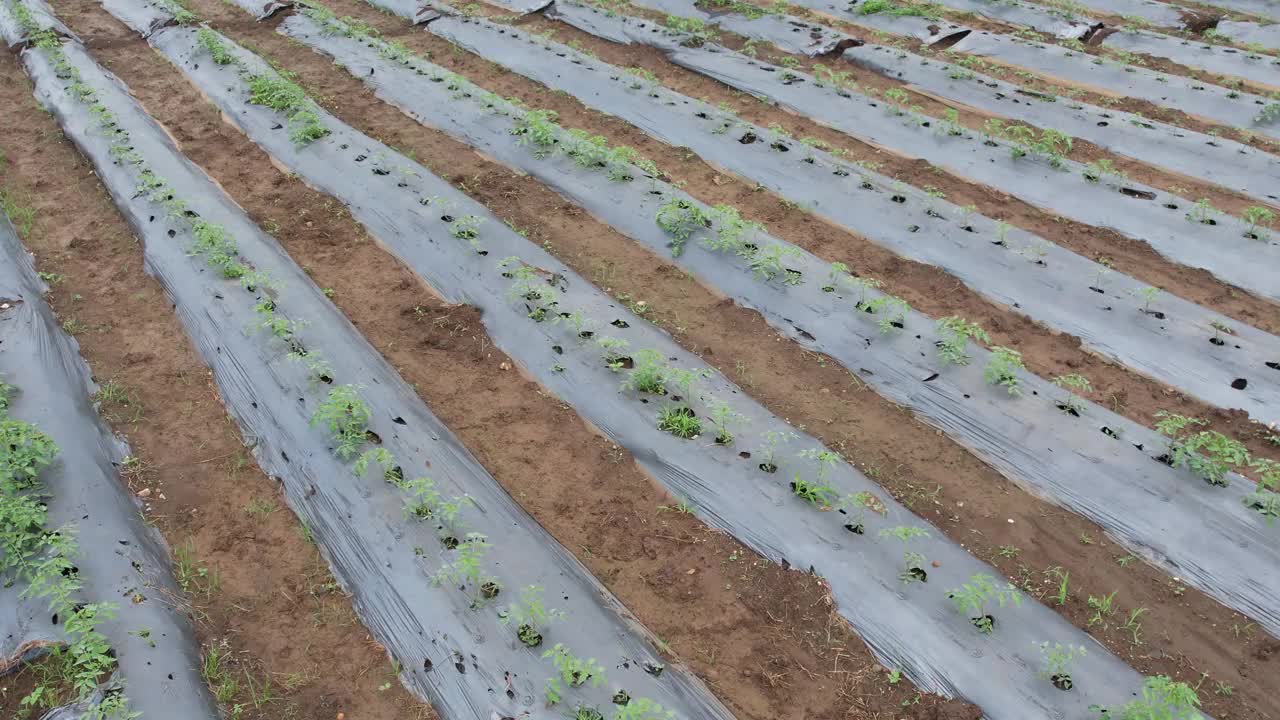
(604, 515)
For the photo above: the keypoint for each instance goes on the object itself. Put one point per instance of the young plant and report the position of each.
(1056, 663)
(614, 352)
(1258, 218)
(1203, 212)
(768, 449)
(465, 570)
(766, 264)
(680, 421)
(890, 310)
(642, 708)
(723, 419)
(837, 275)
(1162, 699)
(1101, 168)
(1148, 295)
(1208, 453)
(817, 491)
(539, 129)
(466, 227)
(530, 616)
(680, 218)
(1002, 369)
(731, 229)
(571, 671)
(1073, 384)
(912, 562)
(972, 598)
(954, 333)
(346, 417)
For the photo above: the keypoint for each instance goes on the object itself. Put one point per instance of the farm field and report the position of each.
(648, 360)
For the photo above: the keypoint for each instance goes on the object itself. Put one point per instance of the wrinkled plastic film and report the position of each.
(121, 560)
(464, 661)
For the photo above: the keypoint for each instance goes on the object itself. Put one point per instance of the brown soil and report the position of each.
(764, 638)
(938, 479)
(275, 611)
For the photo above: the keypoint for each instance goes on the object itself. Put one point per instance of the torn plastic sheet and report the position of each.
(1217, 244)
(788, 33)
(464, 661)
(935, 647)
(1212, 102)
(1099, 306)
(121, 560)
(799, 311)
(1211, 58)
(1222, 161)
(143, 17)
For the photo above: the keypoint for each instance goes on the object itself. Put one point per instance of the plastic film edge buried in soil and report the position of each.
(465, 661)
(676, 465)
(118, 560)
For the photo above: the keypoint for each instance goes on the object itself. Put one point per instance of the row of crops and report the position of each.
(483, 612)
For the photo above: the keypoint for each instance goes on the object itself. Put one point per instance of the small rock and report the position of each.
(161, 496)
(690, 571)
(144, 492)
(504, 366)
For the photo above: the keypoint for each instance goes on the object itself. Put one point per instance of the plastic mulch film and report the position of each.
(1211, 58)
(120, 559)
(1224, 162)
(1164, 221)
(1049, 284)
(1218, 160)
(892, 364)
(465, 661)
(746, 501)
(1212, 102)
(937, 647)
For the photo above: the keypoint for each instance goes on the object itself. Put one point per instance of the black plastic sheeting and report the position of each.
(933, 645)
(467, 663)
(1212, 102)
(122, 560)
(1138, 211)
(1009, 435)
(1177, 350)
(1224, 162)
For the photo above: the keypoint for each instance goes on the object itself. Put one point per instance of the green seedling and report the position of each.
(972, 598)
(1002, 369)
(1056, 663)
(572, 672)
(530, 616)
(1208, 453)
(954, 333)
(680, 218)
(680, 421)
(1162, 699)
(1259, 219)
(768, 448)
(1074, 384)
(346, 417)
